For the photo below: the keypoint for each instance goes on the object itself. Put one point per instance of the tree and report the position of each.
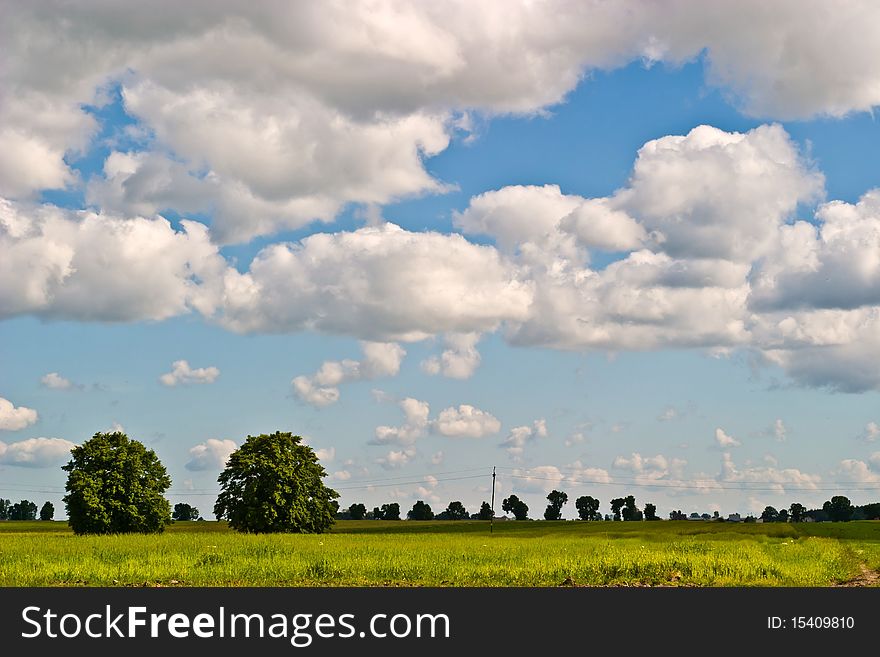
(783, 516)
(796, 512)
(24, 510)
(420, 511)
(554, 510)
(651, 512)
(47, 512)
(516, 506)
(770, 514)
(871, 511)
(115, 485)
(630, 512)
(376, 513)
(456, 511)
(839, 509)
(357, 511)
(5, 508)
(273, 483)
(616, 505)
(677, 515)
(485, 512)
(588, 508)
(184, 512)
(390, 511)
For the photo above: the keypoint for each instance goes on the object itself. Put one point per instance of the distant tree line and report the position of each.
(25, 510)
(837, 509)
(623, 508)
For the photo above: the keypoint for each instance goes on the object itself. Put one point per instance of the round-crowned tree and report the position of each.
(115, 485)
(273, 483)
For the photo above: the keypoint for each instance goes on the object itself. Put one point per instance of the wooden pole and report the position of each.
(492, 519)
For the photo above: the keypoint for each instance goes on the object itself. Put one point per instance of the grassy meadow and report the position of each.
(408, 553)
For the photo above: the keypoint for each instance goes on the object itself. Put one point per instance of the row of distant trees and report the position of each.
(25, 510)
(838, 509)
(623, 508)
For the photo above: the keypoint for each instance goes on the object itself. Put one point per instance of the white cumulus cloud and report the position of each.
(465, 421)
(35, 452)
(13, 418)
(321, 389)
(182, 374)
(210, 455)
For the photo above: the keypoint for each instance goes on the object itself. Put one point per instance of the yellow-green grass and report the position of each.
(372, 553)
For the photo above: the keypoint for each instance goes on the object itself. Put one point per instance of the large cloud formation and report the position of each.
(271, 115)
(701, 259)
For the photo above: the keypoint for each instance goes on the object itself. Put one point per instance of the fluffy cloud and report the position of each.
(858, 472)
(55, 381)
(210, 455)
(777, 479)
(717, 195)
(544, 478)
(872, 432)
(326, 454)
(273, 115)
(376, 283)
(459, 360)
(182, 374)
(396, 459)
(321, 389)
(725, 441)
(648, 469)
(35, 452)
(83, 266)
(716, 263)
(414, 427)
(465, 421)
(519, 437)
(13, 418)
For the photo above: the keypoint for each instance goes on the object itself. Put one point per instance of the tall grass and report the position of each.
(438, 554)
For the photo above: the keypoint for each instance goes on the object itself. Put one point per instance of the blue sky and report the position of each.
(583, 291)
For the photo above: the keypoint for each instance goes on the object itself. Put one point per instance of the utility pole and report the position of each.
(492, 519)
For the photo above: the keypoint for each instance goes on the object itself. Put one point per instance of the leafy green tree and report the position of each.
(871, 511)
(24, 510)
(587, 508)
(5, 509)
(376, 513)
(630, 511)
(554, 509)
(770, 514)
(616, 505)
(677, 515)
(390, 511)
(651, 512)
(357, 511)
(796, 512)
(185, 512)
(783, 516)
(273, 483)
(115, 485)
(516, 506)
(420, 511)
(485, 512)
(47, 512)
(456, 511)
(839, 509)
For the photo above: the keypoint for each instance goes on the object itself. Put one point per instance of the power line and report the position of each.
(710, 484)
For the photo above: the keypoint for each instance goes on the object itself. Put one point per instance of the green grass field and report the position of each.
(375, 553)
